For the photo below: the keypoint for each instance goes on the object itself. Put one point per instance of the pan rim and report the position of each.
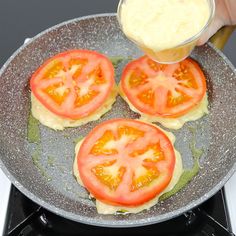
(104, 222)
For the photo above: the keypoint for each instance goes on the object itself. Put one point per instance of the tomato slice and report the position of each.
(163, 90)
(73, 84)
(126, 162)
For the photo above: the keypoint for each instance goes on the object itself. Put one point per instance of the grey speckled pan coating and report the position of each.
(62, 195)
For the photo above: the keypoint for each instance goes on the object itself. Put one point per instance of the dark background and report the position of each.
(20, 19)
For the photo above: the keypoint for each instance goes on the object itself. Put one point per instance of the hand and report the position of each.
(225, 15)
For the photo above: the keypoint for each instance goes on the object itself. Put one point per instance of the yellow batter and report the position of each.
(103, 208)
(163, 24)
(172, 123)
(56, 122)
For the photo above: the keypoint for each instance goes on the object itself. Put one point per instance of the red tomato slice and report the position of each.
(73, 84)
(126, 162)
(163, 90)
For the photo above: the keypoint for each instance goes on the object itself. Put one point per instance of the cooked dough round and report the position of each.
(56, 122)
(104, 208)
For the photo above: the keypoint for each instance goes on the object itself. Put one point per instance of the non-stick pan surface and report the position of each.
(62, 195)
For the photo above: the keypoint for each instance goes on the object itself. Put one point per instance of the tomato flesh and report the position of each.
(73, 84)
(163, 90)
(126, 162)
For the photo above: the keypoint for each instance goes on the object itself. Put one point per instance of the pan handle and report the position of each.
(221, 37)
(18, 229)
(218, 228)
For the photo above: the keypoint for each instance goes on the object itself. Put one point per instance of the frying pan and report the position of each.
(55, 188)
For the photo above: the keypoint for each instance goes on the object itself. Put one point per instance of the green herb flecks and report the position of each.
(187, 175)
(116, 60)
(66, 135)
(51, 161)
(36, 160)
(33, 136)
(76, 140)
(62, 168)
(122, 212)
(33, 132)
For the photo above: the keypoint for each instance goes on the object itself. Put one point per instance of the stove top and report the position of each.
(26, 218)
(23, 212)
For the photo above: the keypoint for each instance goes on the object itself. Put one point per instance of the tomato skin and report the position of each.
(123, 196)
(64, 57)
(163, 109)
